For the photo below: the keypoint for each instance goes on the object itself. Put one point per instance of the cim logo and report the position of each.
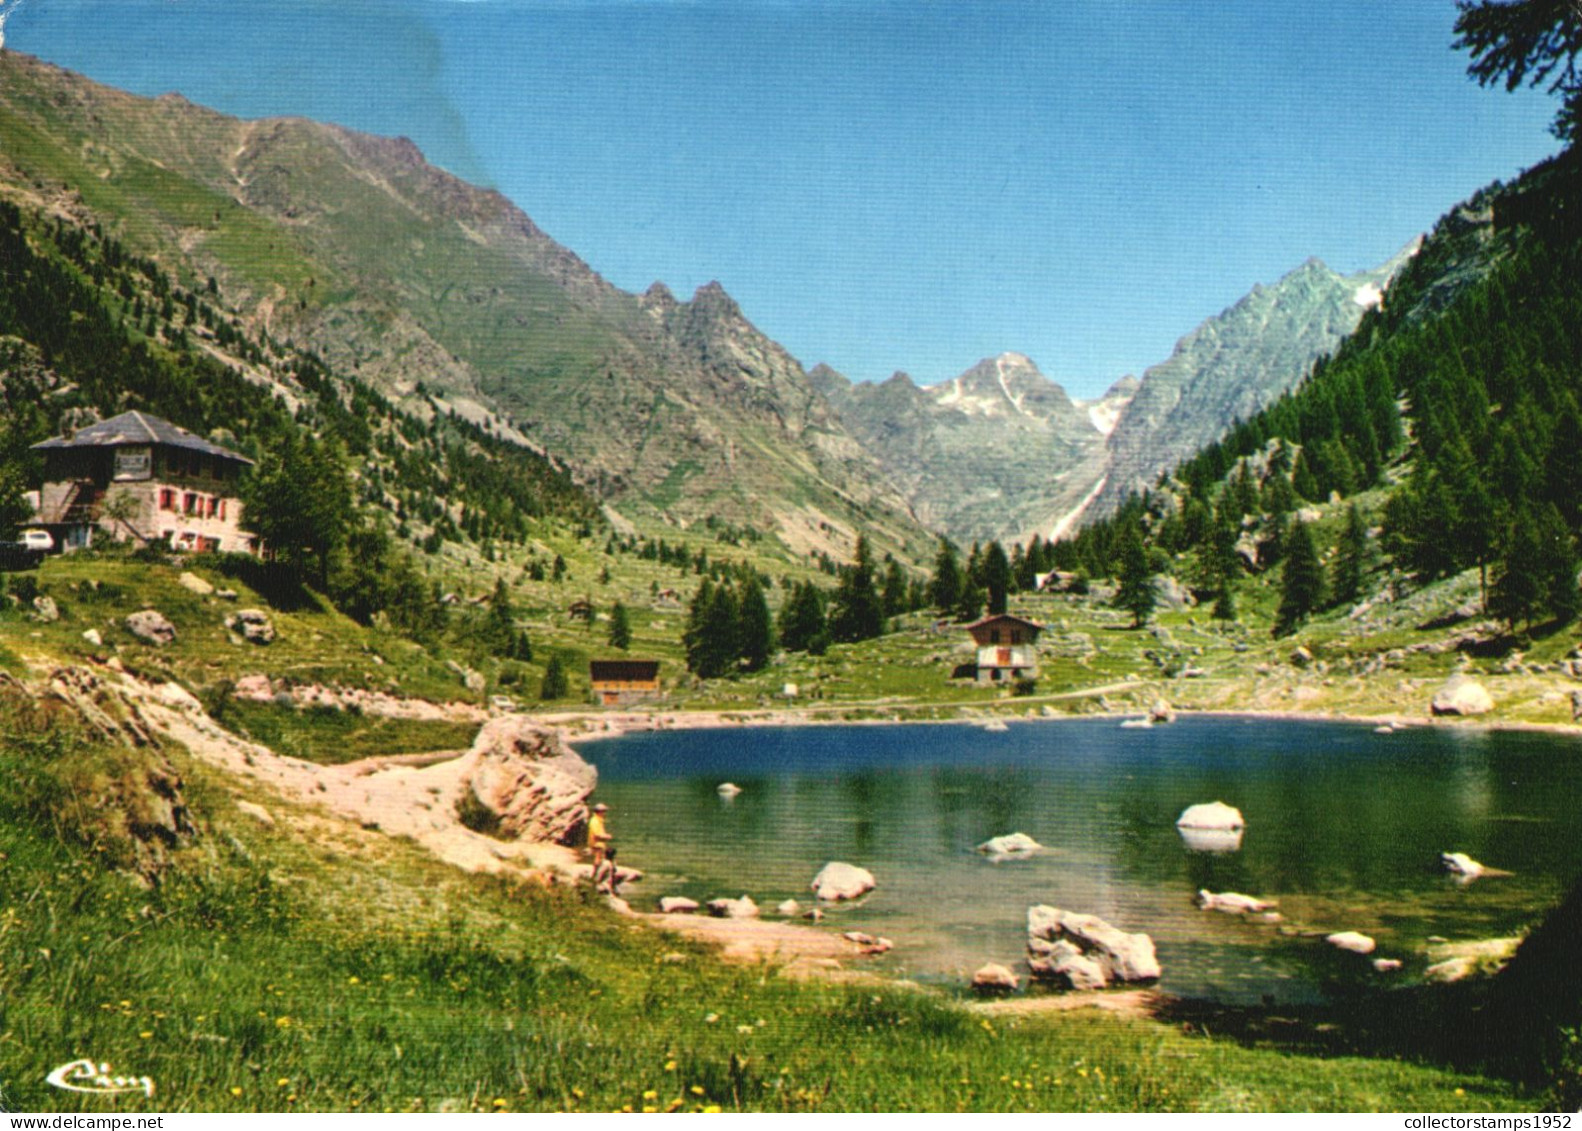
(87, 1076)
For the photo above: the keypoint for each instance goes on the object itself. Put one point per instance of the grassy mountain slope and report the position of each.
(396, 272)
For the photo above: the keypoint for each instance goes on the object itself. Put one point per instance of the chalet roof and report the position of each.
(623, 671)
(138, 428)
(1005, 618)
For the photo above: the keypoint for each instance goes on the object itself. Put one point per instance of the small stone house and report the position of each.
(1005, 647)
(138, 477)
(616, 682)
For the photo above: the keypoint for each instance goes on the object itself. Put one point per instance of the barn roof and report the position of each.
(623, 671)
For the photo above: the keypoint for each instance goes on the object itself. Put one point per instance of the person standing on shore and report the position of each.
(599, 845)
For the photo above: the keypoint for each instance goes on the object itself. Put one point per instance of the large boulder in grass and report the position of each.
(535, 786)
(1462, 695)
(837, 880)
(252, 625)
(1084, 951)
(151, 627)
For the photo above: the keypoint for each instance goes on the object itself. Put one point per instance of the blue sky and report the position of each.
(883, 185)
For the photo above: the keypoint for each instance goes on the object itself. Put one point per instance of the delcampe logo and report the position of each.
(86, 1076)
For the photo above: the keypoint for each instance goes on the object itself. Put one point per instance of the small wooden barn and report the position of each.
(617, 682)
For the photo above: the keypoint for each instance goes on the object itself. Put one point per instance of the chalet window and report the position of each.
(222, 510)
(214, 506)
(167, 499)
(189, 503)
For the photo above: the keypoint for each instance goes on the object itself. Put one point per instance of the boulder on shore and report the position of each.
(992, 978)
(1354, 941)
(1084, 951)
(837, 880)
(1462, 695)
(534, 785)
(677, 905)
(743, 908)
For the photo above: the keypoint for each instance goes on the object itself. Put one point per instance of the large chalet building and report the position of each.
(138, 477)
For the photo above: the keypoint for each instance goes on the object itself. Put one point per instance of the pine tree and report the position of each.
(620, 627)
(996, 577)
(857, 612)
(969, 602)
(755, 628)
(499, 626)
(555, 685)
(1225, 569)
(712, 637)
(802, 621)
(895, 589)
(1136, 593)
(1303, 588)
(945, 589)
(1352, 560)
(1559, 565)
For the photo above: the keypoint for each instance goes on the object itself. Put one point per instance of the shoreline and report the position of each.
(805, 950)
(589, 726)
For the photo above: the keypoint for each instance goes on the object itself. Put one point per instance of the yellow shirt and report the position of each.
(597, 836)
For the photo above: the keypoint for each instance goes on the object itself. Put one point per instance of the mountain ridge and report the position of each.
(405, 275)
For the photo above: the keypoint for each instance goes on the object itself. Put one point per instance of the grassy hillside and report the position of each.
(314, 965)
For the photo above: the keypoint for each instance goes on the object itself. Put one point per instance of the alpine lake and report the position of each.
(1344, 831)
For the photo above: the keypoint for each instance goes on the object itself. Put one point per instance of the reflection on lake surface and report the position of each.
(1344, 829)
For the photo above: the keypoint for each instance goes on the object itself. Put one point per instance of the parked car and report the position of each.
(41, 540)
(19, 556)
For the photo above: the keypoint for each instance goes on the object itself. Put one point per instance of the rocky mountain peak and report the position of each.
(658, 300)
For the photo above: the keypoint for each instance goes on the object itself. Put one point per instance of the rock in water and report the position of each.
(837, 880)
(1461, 865)
(1354, 941)
(151, 627)
(1232, 902)
(1462, 695)
(1211, 815)
(1085, 951)
(530, 780)
(727, 790)
(1013, 844)
(992, 978)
